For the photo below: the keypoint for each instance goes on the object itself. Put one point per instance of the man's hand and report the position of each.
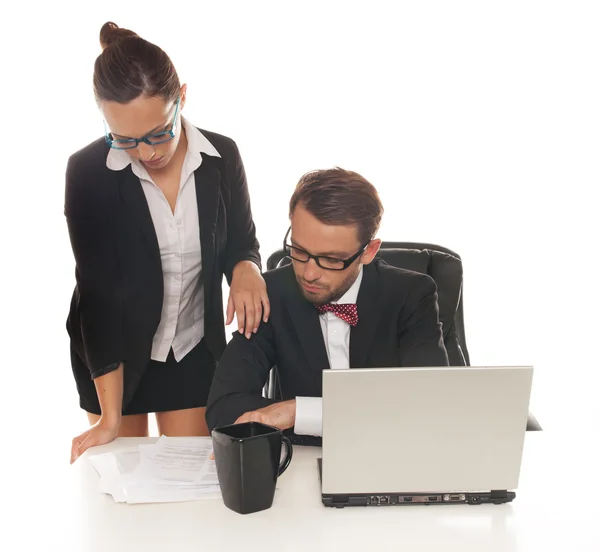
(281, 415)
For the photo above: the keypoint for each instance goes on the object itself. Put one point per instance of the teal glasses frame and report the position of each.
(150, 139)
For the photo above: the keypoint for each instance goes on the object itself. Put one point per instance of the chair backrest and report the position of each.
(445, 267)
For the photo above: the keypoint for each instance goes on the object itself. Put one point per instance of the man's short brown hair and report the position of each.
(340, 198)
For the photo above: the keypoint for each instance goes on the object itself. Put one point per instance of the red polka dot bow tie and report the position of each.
(347, 312)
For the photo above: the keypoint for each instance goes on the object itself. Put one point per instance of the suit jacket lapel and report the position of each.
(208, 179)
(133, 195)
(370, 309)
(308, 328)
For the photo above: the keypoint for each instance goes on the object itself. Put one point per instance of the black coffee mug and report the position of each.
(247, 457)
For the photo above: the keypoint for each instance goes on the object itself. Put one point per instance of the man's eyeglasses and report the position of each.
(150, 139)
(328, 263)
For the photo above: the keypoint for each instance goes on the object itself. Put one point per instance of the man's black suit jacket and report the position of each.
(116, 306)
(398, 326)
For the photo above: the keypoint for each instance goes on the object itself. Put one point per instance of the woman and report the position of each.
(157, 212)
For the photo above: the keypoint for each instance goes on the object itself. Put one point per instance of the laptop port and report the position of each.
(384, 500)
(454, 498)
(375, 500)
(432, 498)
(408, 499)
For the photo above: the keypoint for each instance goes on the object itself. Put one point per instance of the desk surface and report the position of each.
(556, 507)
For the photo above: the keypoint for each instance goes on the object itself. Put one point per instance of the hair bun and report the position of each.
(111, 32)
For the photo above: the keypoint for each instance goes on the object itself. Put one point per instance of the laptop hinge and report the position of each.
(500, 497)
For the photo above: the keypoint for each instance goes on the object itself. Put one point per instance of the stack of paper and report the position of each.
(174, 469)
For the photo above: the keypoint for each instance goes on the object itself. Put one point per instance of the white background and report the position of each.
(478, 122)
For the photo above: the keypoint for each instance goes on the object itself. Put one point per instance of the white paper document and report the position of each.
(179, 459)
(174, 469)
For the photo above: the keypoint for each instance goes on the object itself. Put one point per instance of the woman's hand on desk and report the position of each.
(248, 298)
(102, 432)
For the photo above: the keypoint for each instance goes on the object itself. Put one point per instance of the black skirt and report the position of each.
(165, 386)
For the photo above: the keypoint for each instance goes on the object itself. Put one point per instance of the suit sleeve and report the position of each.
(240, 377)
(242, 244)
(96, 301)
(420, 337)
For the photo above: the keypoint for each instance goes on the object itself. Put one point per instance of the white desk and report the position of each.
(556, 508)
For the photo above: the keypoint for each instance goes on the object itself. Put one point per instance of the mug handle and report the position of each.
(288, 455)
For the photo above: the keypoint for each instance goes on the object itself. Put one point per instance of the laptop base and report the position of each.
(412, 499)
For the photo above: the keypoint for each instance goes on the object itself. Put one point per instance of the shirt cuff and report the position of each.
(309, 416)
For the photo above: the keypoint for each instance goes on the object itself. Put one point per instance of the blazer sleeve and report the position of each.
(420, 337)
(242, 244)
(240, 377)
(96, 306)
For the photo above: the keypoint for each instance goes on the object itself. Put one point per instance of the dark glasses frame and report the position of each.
(150, 139)
(345, 263)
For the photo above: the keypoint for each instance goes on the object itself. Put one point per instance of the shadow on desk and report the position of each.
(533, 424)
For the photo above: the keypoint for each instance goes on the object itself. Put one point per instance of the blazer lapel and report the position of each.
(208, 179)
(308, 328)
(133, 195)
(370, 309)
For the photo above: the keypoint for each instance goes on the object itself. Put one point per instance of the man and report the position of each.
(335, 307)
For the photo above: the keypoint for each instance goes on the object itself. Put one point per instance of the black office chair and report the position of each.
(445, 267)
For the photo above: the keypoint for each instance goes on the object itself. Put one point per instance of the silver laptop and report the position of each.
(438, 435)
